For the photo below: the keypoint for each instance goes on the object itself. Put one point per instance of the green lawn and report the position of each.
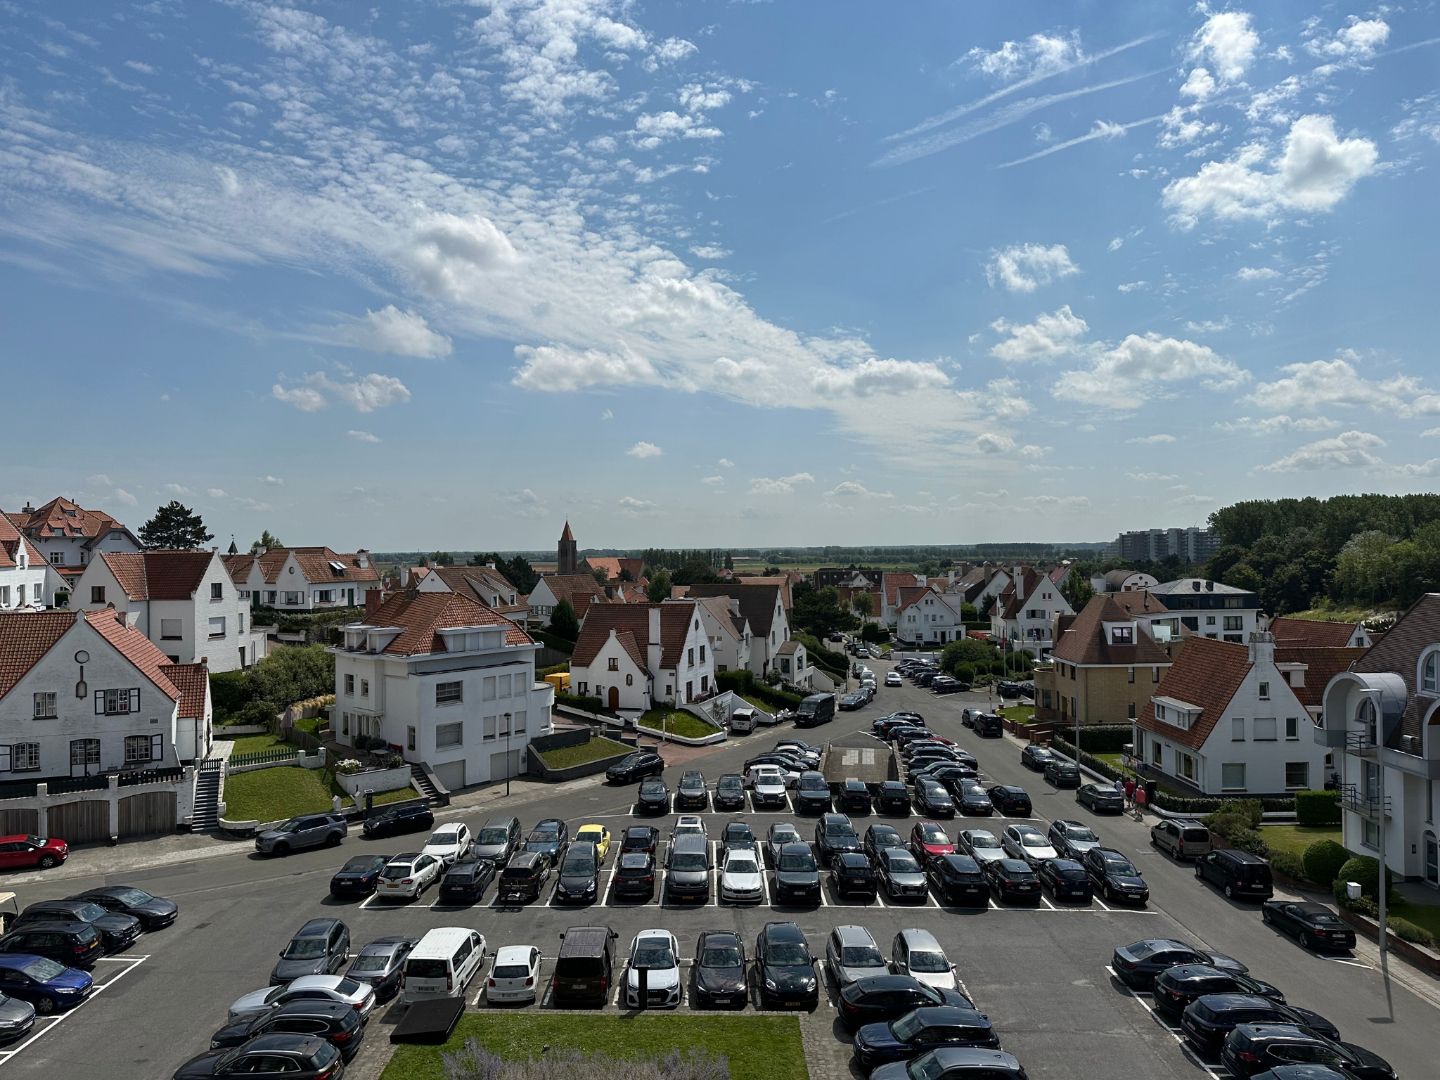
(1021, 714)
(758, 1047)
(566, 757)
(282, 792)
(676, 723)
(253, 744)
(1296, 838)
(1423, 915)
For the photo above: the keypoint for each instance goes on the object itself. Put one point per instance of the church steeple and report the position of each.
(567, 553)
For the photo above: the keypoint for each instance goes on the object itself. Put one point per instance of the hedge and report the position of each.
(1317, 807)
(1106, 738)
(1366, 871)
(575, 701)
(1405, 930)
(1205, 804)
(1289, 864)
(553, 669)
(1323, 860)
(744, 682)
(1099, 765)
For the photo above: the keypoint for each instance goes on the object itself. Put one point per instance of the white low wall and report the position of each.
(42, 801)
(376, 780)
(304, 760)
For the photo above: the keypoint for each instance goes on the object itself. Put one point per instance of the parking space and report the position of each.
(108, 971)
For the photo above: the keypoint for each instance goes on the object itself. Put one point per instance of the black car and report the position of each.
(1252, 1047)
(397, 820)
(852, 875)
(955, 775)
(1035, 757)
(548, 839)
(154, 912)
(117, 931)
(797, 875)
(973, 800)
(653, 797)
(888, 997)
(295, 1057)
(692, 793)
(878, 838)
(635, 766)
(834, 834)
(883, 725)
(1071, 839)
(578, 879)
(921, 1030)
(1010, 800)
(1062, 773)
(639, 838)
(854, 797)
(74, 944)
(1101, 798)
(729, 792)
(988, 725)
(1137, 964)
(1114, 876)
(1013, 881)
(524, 878)
(1313, 925)
(465, 881)
(719, 971)
(319, 947)
(381, 964)
(932, 800)
(1238, 874)
(1176, 987)
(1009, 690)
(852, 701)
(893, 797)
(958, 879)
(1065, 879)
(334, 1021)
(738, 834)
(784, 968)
(812, 793)
(357, 877)
(634, 875)
(901, 876)
(1208, 1019)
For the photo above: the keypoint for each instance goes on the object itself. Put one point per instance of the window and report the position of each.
(169, 629)
(116, 702)
(217, 591)
(364, 687)
(1157, 753)
(142, 748)
(57, 558)
(217, 627)
(1264, 691)
(448, 735)
(1297, 774)
(1264, 729)
(1232, 776)
(449, 693)
(520, 722)
(1370, 833)
(690, 657)
(1367, 718)
(4, 596)
(1187, 765)
(1130, 710)
(629, 680)
(502, 686)
(1155, 674)
(702, 654)
(25, 757)
(487, 688)
(1292, 728)
(97, 594)
(1430, 672)
(1161, 713)
(85, 753)
(21, 595)
(410, 738)
(1234, 622)
(1122, 635)
(45, 705)
(1209, 620)
(269, 596)
(488, 731)
(1132, 674)
(292, 599)
(349, 684)
(1237, 729)
(505, 728)
(324, 596)
(240, 622)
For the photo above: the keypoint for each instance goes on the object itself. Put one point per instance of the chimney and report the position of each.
(1209, 586)
(654, 651)
(373, 600)
(1262, 647)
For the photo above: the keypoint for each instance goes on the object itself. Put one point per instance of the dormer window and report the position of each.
(1430, 672)
(1122, 635)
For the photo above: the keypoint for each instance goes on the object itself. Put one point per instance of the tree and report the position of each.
(863, 605)
(626, 575)
(600, 574)
(818, 611)
(175, 528)
(1077, 590)
(659, 588)
(729, 561)
(563, 622)
(441, 558)
(265, 543)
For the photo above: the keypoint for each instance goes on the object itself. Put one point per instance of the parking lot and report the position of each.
(1039, 972)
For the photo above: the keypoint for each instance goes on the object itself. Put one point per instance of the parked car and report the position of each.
(639, 838)
(154, 912)
(1028, 843)
(1176, 987)
(954, 1063)
(358, 877)
(958, 879)
(359, 996)
(336, 1023)
(1013, 881)
(515, 976)
(577, 881)
(466, 881)
(1239, 874)
(797, 875)
(1181, 837)
(738, 834)
(75, 944)
(547, 839)
(1062, 773)
(973, 800)
(851, 874)
(878, 837)
(1101, 798)
(299, 833)
(1137, 964)
(45, 983)
(929, 841)
(916, 953)
(381, 964)
(497, 840)
(901, 876)
(1010, 800)
(812, 794)
(295, 1057)
(656, 953)
(585, 968)
(320, 947)
(1071, 839)
(981, 845)
(1009, 690)
(854, 797)
(408, 875)
(1208, 1019)
(729, 792)
(924, 1031)
(719, 970)
(742, 879)
(23, 851)
(777, 836)
(524, 878)
(892, 678)
(595, 834)
(117, 932)
(634, 875)
(692, 793)
(1252, 1047)
(833, 834)
(785, 970)
(448, 843)
(1035, 757)
(933, 800)
(395, 820)
(893, 797)
(852, 701)
(687, 868)
(767, 786)
(888, 997)
(635, 766)
(851, 954)
(1114, 876)
(1064, 879)
(653, 797)
(1313, 925)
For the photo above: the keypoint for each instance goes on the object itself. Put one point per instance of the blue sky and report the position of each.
(445, 274)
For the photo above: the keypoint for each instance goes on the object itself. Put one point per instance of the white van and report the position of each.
(742, 720)
(442, 964)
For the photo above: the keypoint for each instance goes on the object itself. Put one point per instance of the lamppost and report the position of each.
(1381, 887)
(509, 764)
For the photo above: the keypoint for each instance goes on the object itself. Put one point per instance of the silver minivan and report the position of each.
(742, 721)
(442, 964)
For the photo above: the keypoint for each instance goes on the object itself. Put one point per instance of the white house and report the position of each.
(793, 662)
(1024, 613)
(1123, 581)
(26, 579)
(727, 630)
(305, 578)
(1240, 719)
(183, 601)
(484, 584)
(930, 618)
(763, 607)
(69, 536)
(632, 656)
(1195, 607)
(82, 694)
(444, 680)
(580, 589)
(1382, 721)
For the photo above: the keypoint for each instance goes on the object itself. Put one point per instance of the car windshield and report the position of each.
(800, 860)
(348, 987)
(305, 948)
(726, 956)
(784, 836)
(1070, 873)
(510, 971)
(788, 954)
(545, 830)
(653, 954)
(838, 828)
(1120, 866)
(687, 860)
(934, 835)
(1080, 832)
(651, 787)
(635, 861)
(42, 970)
(579, 862)
(88, 912)
(928, 962)
(1034, 839)
(445, 837)
(728, 783)
(396, 871)
(983, 840)
(741, 866)
(358, 865)
(813, 783)
(131, 896)
(903, 863)
(861, 956)
(366, 963)
(493, 836)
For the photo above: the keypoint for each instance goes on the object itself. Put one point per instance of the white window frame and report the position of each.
(1429, 680)
(166, 625)
(1265, 729)
(1225, 782)
(46, 705)
(449, 693)
(1304, 784)
(1237, 729)
(25, 757)
(153, 747)
(349, 684)
(1292, 729)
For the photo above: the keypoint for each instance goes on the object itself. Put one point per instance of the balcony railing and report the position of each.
(1367, 804)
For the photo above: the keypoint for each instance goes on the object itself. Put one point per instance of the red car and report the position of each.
(928, 841)
(22, 852)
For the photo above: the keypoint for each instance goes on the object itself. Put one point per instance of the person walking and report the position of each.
(1141, 797)
(1129, 792)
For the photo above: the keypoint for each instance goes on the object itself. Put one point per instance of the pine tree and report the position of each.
(175, 527)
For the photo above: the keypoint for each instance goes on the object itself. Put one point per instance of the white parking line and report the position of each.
(1184, 1046)
(51, 1023)
(1342, 960)
(1044, 900)
(1103, 906)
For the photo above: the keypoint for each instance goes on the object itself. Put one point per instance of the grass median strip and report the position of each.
(758, 1047)
(676, 723)
(566, 757)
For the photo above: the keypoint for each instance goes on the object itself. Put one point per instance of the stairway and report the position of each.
(206, 813)
(423, 784)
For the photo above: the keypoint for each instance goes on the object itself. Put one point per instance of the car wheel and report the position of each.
(1229, 893)
(44, 1005)
(1305, 941)
(280, 849)
(47, 861)
(1200, 876)
(1265, 915)
(332, 840)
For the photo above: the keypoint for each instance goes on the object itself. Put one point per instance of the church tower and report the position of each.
(567, 553)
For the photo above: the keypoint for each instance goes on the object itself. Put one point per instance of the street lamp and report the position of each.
(509, 764)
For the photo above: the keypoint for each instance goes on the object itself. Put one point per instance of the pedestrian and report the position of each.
(1140, 798)
(1129, 791)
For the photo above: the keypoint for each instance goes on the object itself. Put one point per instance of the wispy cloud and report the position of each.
(1103, 129)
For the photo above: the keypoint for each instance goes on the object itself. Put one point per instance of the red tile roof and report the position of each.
(1083, 639)
(1321, 665)
(1013, 598)
(130, 643)
(159, 575)
(11, 541)
(421, 617)
(238, 567)
(314, 563)
(26, 636)
(1312, 632)
(193, 682)
(634, 619)
(579, 589)
(480, 583)
(1207, 673)
(891, 582)
(61, 517)
(908, 594)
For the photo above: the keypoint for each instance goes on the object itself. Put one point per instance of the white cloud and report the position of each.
(362, 436)
(654, 129)
(1039, 54)
(526, 504)
(876, 376)
(1348, 450)
(780, 485)
(1359, 40)
(633, 507)
(1276, 425)
(1313, 173)
(1150, 477)
(364, 393)
(989, 442)
(725, 463)
(1152, 440)
(1207, 326)
(390, 330)
(124, 498)
(179, 490)
(1139, 367)
(557, 368)
(1030, 450)
(1130, 286)
(1228, 42)
(1199, 84)
(853, 489)
(1192, 500)
(1024, 267)
(1180, 127)
(304, 398)
(272, 481)
(1430, 433)
(1048, 337)
(643, 450)
(1116, 243)
(607, 414)
(99, 480)
(1257, 273)
(710, 252)
(712, 481)
(215, 493)
(453, 255)
(1000, 398)
(1337, 384)
(1059, 502)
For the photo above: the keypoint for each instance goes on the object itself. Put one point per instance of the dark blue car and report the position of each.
(48, 985)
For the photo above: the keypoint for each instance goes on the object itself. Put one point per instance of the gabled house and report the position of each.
(616, 569)
(69, 536)
(764, 609)
(633, 656)
(1314, 633)
(581, 590)
(1024, 613)
(927, 617)
(792, 660)
(483, 584)
(305, 578)
(441, 679)
(183, 601)
(1381, 719)
(727, 630)
(27, 580)
(1239, 719)
(1103, 669)
(1195, 607)
(891, 584)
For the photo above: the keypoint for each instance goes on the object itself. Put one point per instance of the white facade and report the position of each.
(80, 550)
(622, 685)
(293, 590)
(793, 663)
(27, 584)
(762, 647)
(731, 650)
(1032, 626)
(932, 619)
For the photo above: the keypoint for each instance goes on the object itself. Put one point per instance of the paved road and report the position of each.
(1040, 974)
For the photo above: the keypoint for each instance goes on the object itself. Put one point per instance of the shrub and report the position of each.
(965, 672)
(1405, 930)
(1323, 860)
(874, 633)
(1106, 738)
(1289, 864)
(1366, 871)
(575, 701)
(348, 766)
(230, 691)
(258, 712)
(1317, 807)
(1246, 813)
(474, 1062)
(1248, 840)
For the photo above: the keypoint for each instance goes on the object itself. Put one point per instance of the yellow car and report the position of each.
(598, 835)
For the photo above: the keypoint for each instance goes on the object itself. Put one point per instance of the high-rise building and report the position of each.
(1191, 545)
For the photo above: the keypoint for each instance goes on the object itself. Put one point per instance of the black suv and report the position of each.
(635, 766)
(784, 968)
(74, 944)
(797, 875)
(958, 879)
(729, 792)
(1035, 758)
(691, 793)
(1207, 1020)
(1010, 800)
(854, 797)
(358, 876)
(812, 793)
(465, 882)
(893, 798)
(833, 834)
(412, 817)
(1238, 874)
(1253, 1047)
(653, 797)
(852, 875)
(334, 1021)
(1114, 876)
(117, 931)
(523, 878)
(1176, 987)
(634, 875)
(1062, 773)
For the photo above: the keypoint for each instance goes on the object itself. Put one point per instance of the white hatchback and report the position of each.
(515, 976)
(448, 843)
(406, 876)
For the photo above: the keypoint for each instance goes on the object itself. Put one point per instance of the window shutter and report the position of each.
(135, 700)
(99, 702)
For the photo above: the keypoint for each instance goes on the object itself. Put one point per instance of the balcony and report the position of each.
(1364, 803)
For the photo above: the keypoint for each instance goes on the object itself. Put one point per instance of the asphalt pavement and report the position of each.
(1041, 974)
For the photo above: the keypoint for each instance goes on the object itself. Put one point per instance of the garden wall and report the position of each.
(376, 780)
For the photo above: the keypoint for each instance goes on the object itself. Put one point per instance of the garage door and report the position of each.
(452, 774)
(19, 821)
(148, 814)
(80, 822)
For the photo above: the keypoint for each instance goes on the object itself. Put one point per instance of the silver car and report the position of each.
(305, 831)
(851, 954)
(916, 953)
(981, 845)
(358, 995)
(1028, 843)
